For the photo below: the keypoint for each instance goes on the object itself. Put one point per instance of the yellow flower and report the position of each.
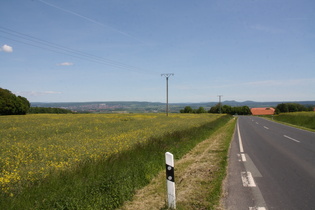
(32, 146)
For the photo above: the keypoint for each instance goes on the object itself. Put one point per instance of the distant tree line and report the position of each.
(188, 109)
(293, 107)
(225, 109)
(50, 110)
(10, 104)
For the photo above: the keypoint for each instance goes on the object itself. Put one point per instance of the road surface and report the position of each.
(271, 166)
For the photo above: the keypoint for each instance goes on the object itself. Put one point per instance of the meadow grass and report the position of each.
(301, 119)
(89, 161)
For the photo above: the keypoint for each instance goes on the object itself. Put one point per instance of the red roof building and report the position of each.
(262, 111)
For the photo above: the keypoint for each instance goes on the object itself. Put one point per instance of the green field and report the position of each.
(301, 119)
(90, 161)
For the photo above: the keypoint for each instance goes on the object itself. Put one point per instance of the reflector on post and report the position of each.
(170, 180)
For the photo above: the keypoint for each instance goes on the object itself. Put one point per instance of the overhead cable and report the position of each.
(50, 46)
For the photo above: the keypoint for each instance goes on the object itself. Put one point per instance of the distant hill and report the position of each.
(151, 107)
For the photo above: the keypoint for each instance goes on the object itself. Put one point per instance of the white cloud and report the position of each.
(65, 64)
(6, 48)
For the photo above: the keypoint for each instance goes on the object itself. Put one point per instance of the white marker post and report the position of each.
(170, 181)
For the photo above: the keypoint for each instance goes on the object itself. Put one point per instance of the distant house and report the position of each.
(262, 111)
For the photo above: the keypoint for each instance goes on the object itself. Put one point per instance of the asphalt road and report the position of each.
(271, 166)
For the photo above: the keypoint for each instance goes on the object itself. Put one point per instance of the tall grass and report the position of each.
(302, 119)
(106, 182)
(215, 191)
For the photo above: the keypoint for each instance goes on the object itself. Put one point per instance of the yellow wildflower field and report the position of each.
(31, 146)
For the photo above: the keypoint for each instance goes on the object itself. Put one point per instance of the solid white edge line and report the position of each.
(288, 137)
(239, 138)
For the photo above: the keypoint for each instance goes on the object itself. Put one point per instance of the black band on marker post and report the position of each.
(170, 173)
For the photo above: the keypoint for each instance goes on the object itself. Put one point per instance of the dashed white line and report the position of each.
(247, 179)
(288, 137)
(266, 127)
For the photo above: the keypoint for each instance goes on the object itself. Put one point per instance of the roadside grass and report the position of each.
(106, 183)
(199, 175)
(304, 120)
(202, 187)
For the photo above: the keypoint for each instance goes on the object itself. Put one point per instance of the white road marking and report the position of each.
(239, 157)
(266, 127)
(257, 208)
(250, 166)
(243, 157)
(288, 137)
(239, 138)
(247, 179)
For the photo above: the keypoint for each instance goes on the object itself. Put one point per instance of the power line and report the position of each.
(50, 46)
(40, 43)
(90, 20)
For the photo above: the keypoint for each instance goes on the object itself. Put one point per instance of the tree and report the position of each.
(292, 107)
(227, 109)
(187, 109)
(201, 110)
(10, 104)
(282, 107)
(215, 109)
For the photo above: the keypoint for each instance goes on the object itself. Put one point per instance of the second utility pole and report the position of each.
(220, 103)
(167, 76)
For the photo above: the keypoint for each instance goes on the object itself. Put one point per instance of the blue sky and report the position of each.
(116, 50)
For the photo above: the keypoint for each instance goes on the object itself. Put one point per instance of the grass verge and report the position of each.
(199, 175)
(109, 182)
(304, 120)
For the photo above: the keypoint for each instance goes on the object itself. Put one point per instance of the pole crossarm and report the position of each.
(167, 75)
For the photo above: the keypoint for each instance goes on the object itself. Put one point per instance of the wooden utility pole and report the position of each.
(167, 76)
(220, 103)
